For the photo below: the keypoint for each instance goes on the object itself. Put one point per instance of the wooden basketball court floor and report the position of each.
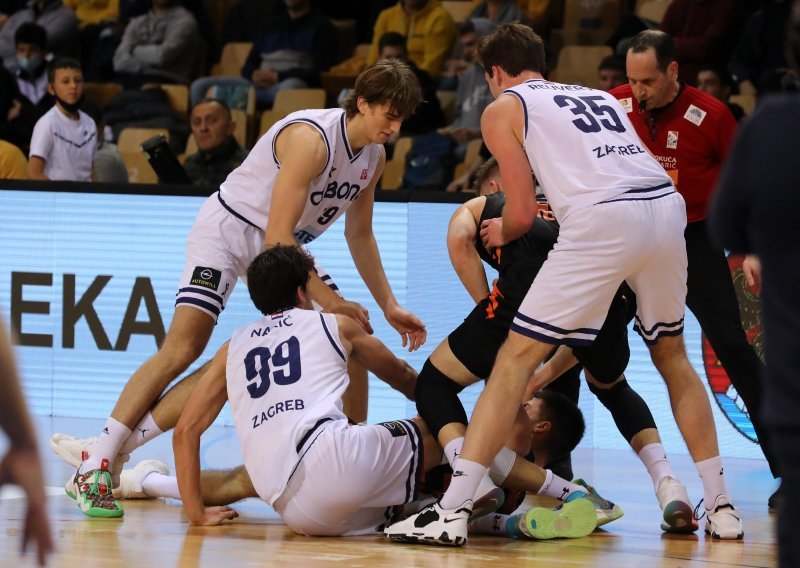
(155, 533)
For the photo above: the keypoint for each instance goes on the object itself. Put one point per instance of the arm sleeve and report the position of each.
(324, 51)
(42, 139)
(178, 41)
(123, 60)
(381, 27)
(253, 61)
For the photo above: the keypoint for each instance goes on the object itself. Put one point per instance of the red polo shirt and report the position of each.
(690, 137)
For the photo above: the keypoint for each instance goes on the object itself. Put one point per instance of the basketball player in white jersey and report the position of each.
(308, 169)
(284, 376)
(621, 220)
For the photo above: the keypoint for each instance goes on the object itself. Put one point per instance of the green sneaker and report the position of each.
(568, 520)
(92, 492)
(605, 510)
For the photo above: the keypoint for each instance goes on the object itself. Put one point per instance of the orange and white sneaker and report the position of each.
(92, 492)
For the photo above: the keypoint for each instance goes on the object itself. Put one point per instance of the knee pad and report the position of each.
(437, 399)
(630, 412)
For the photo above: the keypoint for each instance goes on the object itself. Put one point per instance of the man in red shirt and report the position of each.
(690, 133)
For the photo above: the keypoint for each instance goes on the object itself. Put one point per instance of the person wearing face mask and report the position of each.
(64, 140)
(27, 89)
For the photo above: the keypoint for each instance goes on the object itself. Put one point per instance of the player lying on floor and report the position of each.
(468, 353)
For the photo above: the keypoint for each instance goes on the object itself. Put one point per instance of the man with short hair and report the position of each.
(218, 152)
(309, 168)
(718, 82)
(59, 21)
(690, 133)
(611, 73)
(614, 201)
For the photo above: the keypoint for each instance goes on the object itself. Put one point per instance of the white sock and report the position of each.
(654, 458)
(496, 524)
(711, 474)
(160, 485)
(453, 449)
(467, 475)
(557, 487)
(113, 436)
(145, 431)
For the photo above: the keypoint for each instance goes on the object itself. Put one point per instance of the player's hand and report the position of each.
(22, 467)
(409, 326)
(752, 271)
(213, 516)
(355, 311)
(492, 233)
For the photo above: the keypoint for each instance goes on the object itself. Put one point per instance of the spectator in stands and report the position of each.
(472, 95)
(218, 152)
(291, 52)
(759, 63)
(464, 51)
(428, 27)
(65, 139)
(59, 21)
(247, 18)
(704, 32)
(30, 99)
(13, 164)
(611, 73)
(159, 46)
(429, 114)
(8, 7)
(718, 83)
(499, 12)
(95, 18)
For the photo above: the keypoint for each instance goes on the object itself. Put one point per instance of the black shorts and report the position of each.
(477, 340)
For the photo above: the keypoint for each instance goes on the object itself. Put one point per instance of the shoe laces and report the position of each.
(694, 514)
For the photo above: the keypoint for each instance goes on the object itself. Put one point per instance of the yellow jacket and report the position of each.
(94, 11)
(430, 32)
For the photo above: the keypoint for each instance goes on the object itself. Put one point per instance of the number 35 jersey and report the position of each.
(248, 189)
(582, 147)
(286, 375)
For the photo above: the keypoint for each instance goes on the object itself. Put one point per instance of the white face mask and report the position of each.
(30, 63)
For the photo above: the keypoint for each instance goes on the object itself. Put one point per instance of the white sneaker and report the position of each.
(676, 507)
(723, 521)
(130, 486)
(70, 449)
(433, 525)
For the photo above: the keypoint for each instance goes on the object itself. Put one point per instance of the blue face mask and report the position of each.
(30, 63)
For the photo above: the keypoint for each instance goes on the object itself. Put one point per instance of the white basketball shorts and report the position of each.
(219, 250)
(634, 237)
(350, 480)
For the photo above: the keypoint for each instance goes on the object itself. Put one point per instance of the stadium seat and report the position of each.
(288, 101)
(577, 64)
(232, 59)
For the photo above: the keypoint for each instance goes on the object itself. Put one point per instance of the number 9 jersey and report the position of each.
(286, 374)
(582, 147)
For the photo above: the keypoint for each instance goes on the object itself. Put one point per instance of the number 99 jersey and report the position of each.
(582, 147)
(286, 374)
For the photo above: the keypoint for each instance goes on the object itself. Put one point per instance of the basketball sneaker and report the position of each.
(605, 510)
(131, 480)
(70, 449)
(572, 519)
(92, 492)
(488, 504)
(433, 525)
(676, 507)
(723, 521)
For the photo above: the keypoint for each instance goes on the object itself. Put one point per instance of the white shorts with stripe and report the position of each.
(637, 237)
(351, 478)
(219, 250)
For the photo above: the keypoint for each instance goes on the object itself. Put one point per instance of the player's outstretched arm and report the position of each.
(461, 234)
(560, 363)
(201, 409)
(502, 124)
(364, 250)
(376, 357)
(21, 464)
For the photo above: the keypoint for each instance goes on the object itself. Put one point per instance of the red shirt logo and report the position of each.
(364, 174)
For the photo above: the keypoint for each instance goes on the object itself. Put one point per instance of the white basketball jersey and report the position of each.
(248, 189)
(582, 147)
(286, 375)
